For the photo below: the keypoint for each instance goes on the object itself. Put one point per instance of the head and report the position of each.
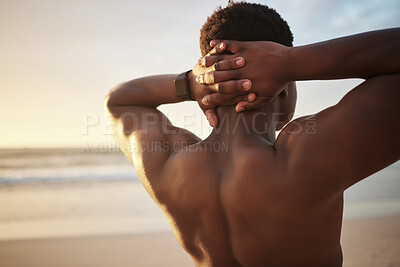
(252, 22)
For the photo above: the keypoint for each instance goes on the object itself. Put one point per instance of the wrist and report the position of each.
(194, 86)
(291, 64)
(182, 86)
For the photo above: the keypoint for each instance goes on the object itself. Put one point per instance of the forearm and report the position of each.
(358, 56)
(150, 91)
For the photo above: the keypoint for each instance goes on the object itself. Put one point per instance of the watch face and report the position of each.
(182, 86)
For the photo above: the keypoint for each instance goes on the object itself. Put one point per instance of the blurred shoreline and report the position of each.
(24, 166)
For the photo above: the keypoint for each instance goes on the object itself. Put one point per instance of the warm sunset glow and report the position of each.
(60, 58)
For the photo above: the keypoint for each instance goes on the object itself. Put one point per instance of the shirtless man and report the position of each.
(263, 201)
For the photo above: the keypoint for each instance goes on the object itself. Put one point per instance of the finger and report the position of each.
(230, 45)
(208, 61)
(229, 87)
(242, 98)
(217, 99)
(234, 100)
(220, 48)
(214, 99)
(215, 42)
(228, 64)
(212, 77)
(211, 116)
(257, 104)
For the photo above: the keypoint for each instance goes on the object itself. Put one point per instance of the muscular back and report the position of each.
(258, 203)
(240, 208)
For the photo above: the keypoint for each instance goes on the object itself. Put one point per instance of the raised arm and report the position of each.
(350, 140)
(144, 134)
(363, 55)
(270, 66)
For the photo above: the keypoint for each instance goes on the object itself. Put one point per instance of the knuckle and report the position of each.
(236, 84)
(216, 66)
(220, 88)
(212, 77)
(207, 77)
(238, 73)
(203, 61)
(232, 63)
(208, 61)
(201, 78)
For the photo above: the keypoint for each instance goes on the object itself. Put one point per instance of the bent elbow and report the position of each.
(109, 100)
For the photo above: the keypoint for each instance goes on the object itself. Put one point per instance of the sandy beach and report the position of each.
(116, 250)
(366, 243)
(371, 242)
(116, 224)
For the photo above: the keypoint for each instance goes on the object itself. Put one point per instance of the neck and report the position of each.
(232, 124)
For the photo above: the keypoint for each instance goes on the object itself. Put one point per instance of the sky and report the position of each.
(58, 59)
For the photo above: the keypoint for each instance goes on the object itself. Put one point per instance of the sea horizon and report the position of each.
(377, 194)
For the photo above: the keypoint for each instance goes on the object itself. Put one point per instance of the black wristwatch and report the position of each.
(182, 86)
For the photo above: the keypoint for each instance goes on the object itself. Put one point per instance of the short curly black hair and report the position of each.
(245, 22)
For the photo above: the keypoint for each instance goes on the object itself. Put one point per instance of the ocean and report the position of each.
(378, 194)
(53, 165)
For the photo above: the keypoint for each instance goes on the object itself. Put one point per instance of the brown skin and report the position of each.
(269, 66)
(261, 201)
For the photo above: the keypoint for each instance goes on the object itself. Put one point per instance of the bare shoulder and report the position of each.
(345, 143)
(296, 127)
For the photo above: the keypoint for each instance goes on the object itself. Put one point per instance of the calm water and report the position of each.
(36, 165)
(51, 165)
